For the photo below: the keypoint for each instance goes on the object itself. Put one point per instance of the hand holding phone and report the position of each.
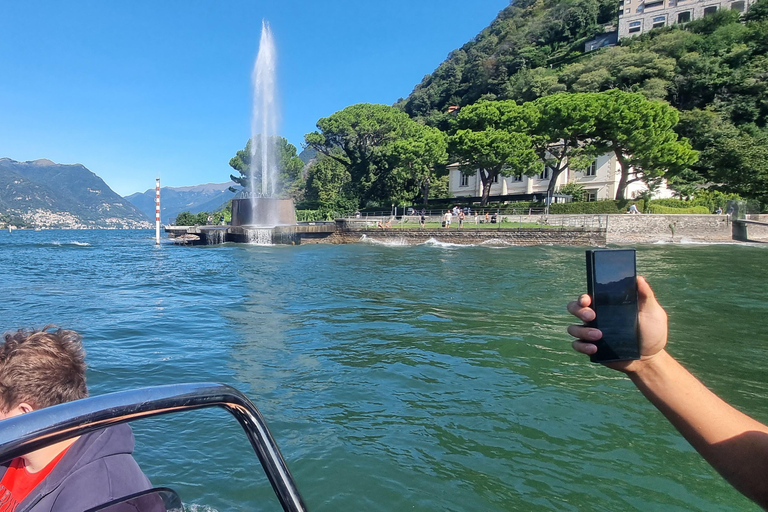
(612, 286)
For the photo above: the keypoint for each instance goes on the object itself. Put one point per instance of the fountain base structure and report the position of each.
(260, 221)
(263, 212)
(263, 221)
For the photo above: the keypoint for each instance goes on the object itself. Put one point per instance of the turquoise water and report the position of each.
(430, 378)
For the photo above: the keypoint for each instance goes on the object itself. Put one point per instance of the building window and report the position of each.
(659, 21)
(684, 17)
(464, 181)
(592, 169)
(590, 194)
(516, 178)
(635, 26)
(738, 6)
(496, 179)
(651, 5)
(545, 174)
(710, 10)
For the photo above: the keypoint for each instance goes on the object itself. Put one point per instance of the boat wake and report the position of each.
(436, 243)
(194, 507)
(397, 242)
(73, 243)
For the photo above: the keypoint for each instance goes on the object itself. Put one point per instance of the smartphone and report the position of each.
(612, 285)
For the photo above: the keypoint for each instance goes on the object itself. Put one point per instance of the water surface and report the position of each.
(432, 378)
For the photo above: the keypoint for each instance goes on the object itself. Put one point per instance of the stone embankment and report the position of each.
(756, 232)
(469, 236)
(633, 229)
(581, 230)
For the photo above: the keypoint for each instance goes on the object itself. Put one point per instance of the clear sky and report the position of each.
(133, 89)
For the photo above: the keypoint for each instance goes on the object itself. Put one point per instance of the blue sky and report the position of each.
(133, 89)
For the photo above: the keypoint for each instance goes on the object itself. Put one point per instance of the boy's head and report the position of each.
(41, 368)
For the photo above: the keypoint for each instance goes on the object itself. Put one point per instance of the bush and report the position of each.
(607, 206)
(672, 203)
(321, 214)
(656, 208)
(575, 190)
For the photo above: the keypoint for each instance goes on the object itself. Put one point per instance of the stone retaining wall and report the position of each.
(521, 237)
(648, 228)
(757, 232)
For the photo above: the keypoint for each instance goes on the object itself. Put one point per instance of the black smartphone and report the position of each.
(612, 285)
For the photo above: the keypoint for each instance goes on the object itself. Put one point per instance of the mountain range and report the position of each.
(45, 194)
(174, 200)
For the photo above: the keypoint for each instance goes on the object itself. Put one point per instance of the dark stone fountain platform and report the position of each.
(264, 221)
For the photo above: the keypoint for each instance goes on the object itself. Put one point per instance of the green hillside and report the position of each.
(714, 70)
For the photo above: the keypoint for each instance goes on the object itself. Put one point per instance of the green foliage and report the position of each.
(711, 23)
(575, 190)
(525, 35)
(323, 214)
(562, 129)
(716, 65)
(592, 207)
(192, 219)
(656, 208)
(13, 220)
(327, 181)
(289, 167)
(713, 199)
(488, 141)
(388, 157)
(640, 134)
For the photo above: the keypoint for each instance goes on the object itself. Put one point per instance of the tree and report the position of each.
(186, 219)
(422, 157)
(577, 191)
(560, 127)
(489, 140)
(289, 167)
(326, 183)
(740, 164)
(731, 159)
(640, 134)
(389, 157)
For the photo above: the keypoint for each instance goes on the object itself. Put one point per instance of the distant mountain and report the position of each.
(45, 194)
(307, 155)
(174, 200)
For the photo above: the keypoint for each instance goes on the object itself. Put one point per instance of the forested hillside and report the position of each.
(714, 70)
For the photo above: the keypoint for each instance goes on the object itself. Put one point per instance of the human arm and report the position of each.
(732, 442)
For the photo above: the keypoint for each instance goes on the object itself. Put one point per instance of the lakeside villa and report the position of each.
(599, 180)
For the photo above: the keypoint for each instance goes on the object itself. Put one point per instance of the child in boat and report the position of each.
(43, 368)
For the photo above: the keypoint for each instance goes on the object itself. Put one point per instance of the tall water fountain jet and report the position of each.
(264, 119)
(263, 209)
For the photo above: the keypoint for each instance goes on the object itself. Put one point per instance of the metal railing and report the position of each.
(37, 429)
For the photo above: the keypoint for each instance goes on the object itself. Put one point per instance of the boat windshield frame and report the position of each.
(29, 432)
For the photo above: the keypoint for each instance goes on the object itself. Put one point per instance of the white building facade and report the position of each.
(639, 16)
(600, 181)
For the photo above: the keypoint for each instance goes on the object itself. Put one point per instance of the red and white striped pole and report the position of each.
(157, 211)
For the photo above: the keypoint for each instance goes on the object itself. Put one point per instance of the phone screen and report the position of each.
(614, 299)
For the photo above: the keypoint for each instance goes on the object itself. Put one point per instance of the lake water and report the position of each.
(428, 378)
